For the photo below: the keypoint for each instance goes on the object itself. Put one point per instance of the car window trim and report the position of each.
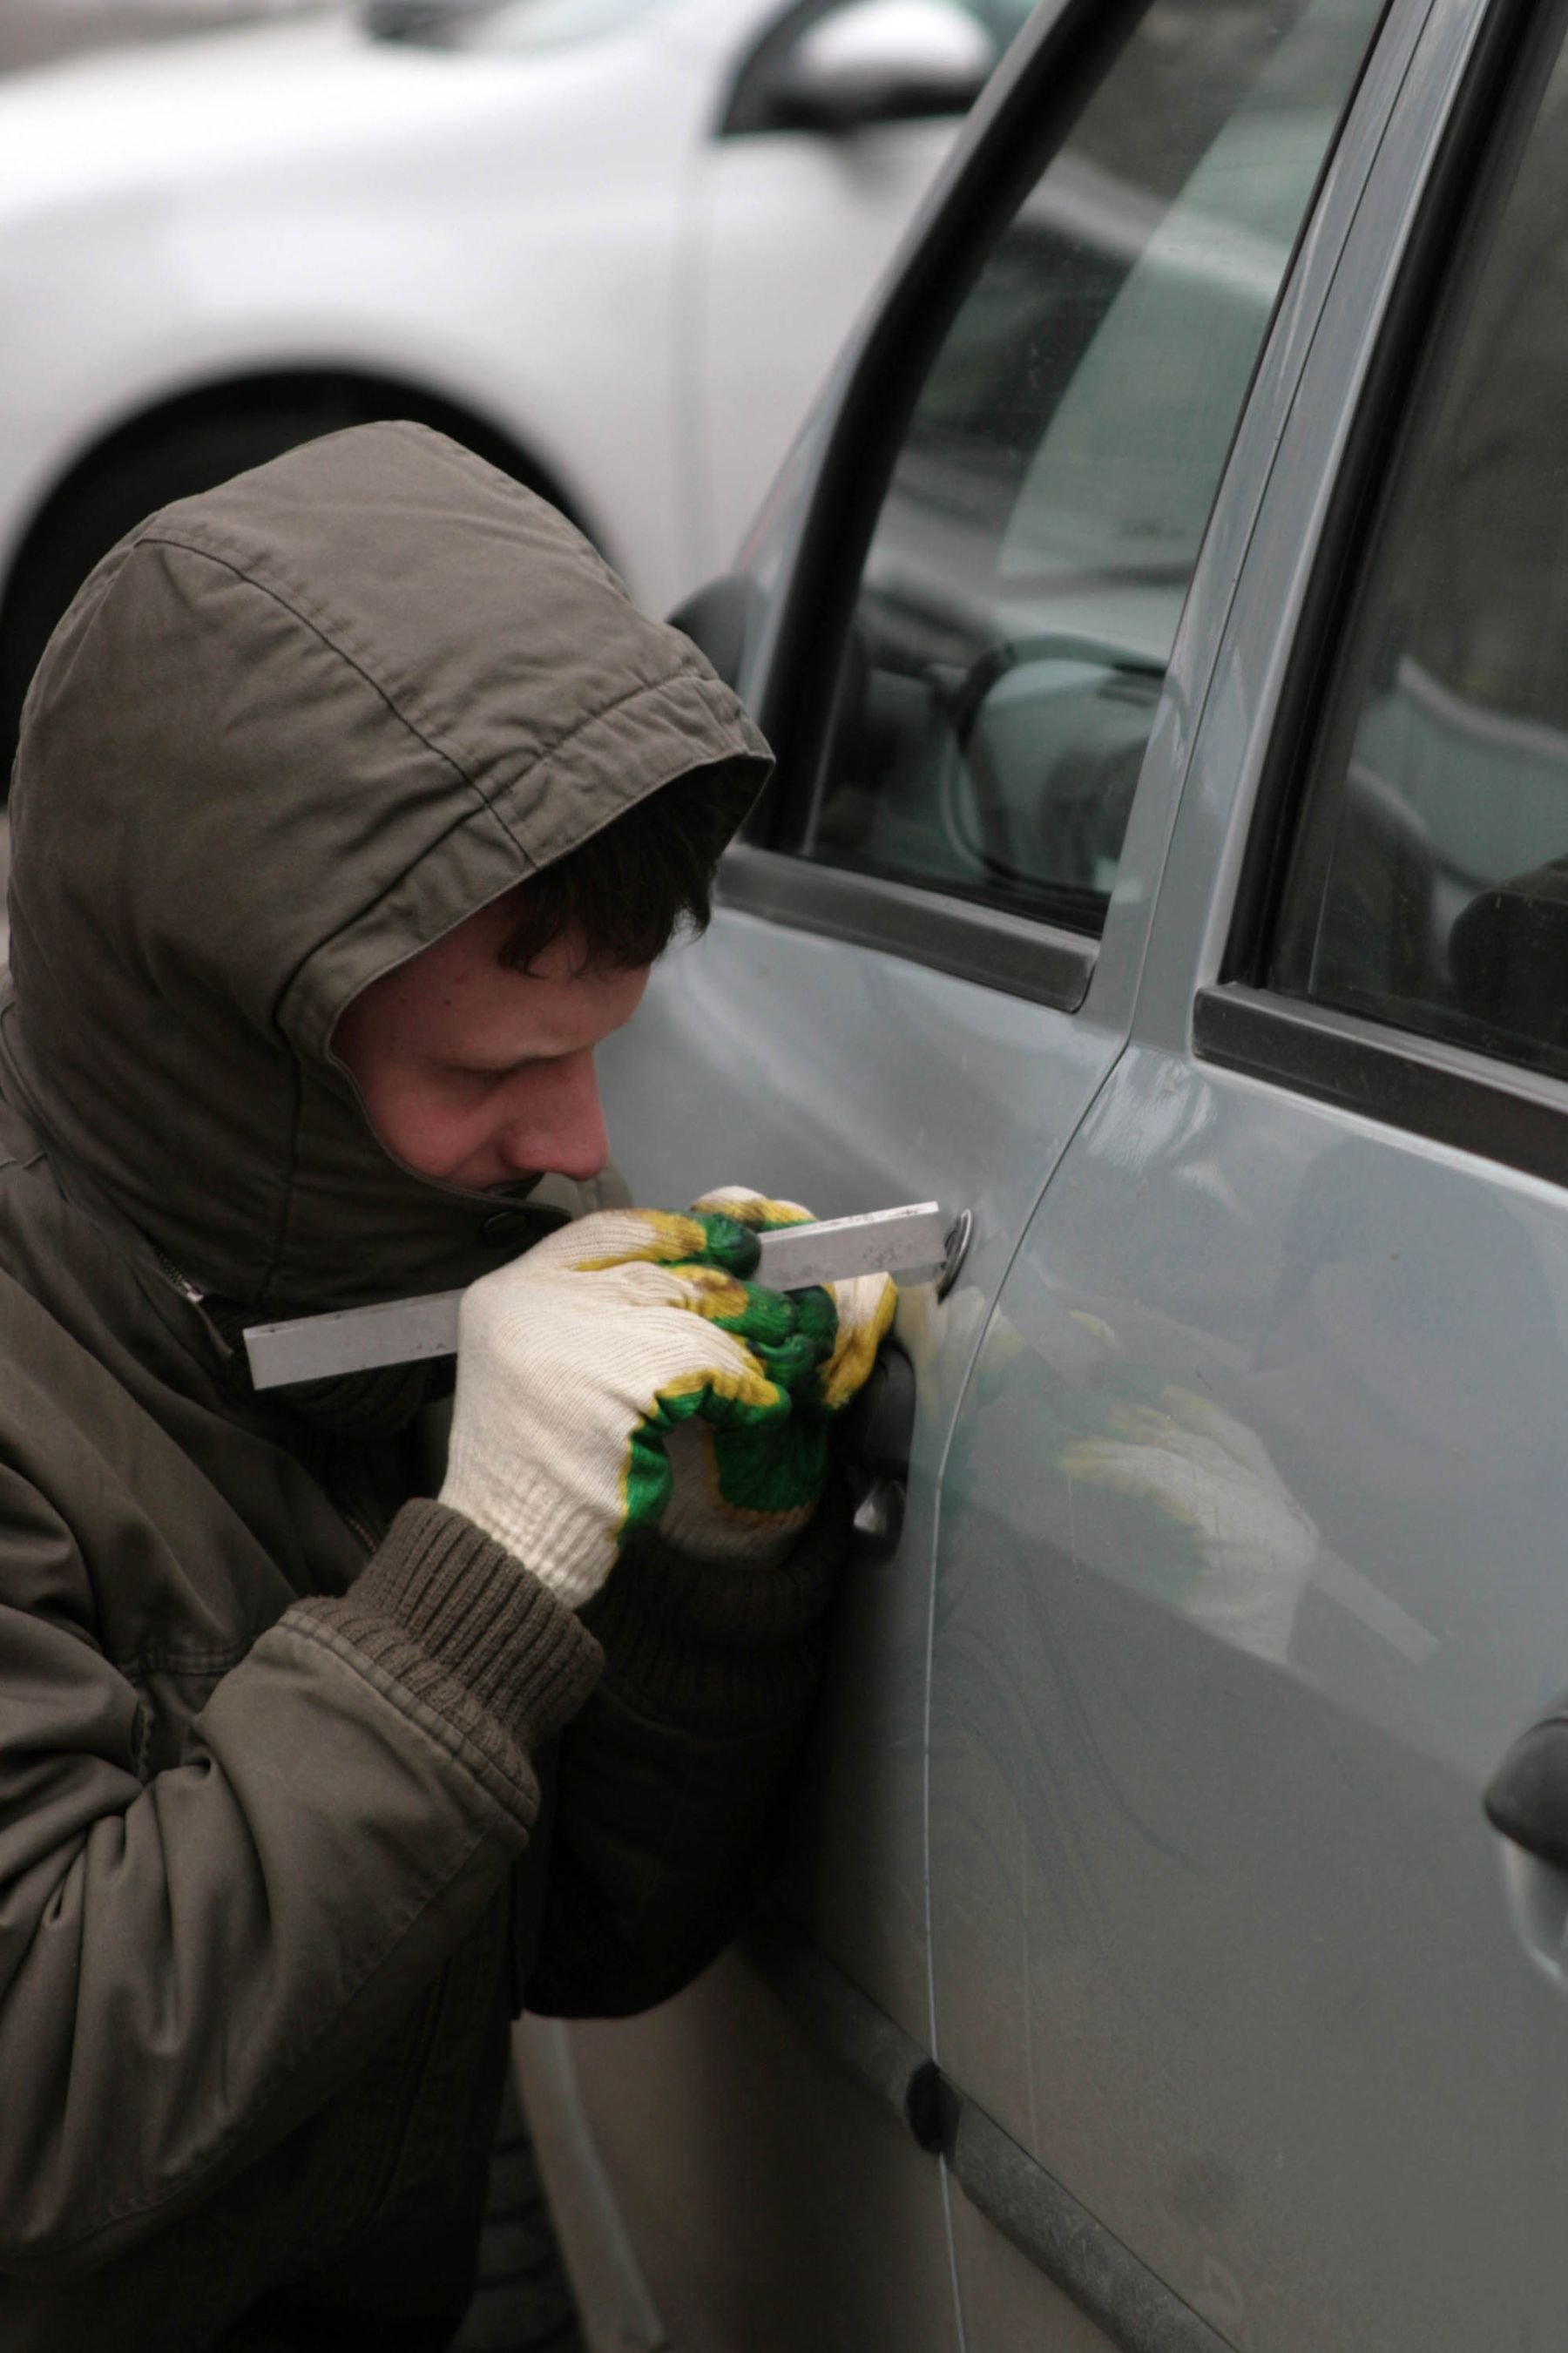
(1461, 1096)
(1130, 2304)
(1027, 958)
(1448, 1093)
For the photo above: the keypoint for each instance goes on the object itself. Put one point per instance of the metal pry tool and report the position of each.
(906, 1241)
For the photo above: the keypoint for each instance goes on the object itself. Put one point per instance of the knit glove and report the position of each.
(609, 1238)
(577, 1362)
(1237, 1548)
(743, 1494)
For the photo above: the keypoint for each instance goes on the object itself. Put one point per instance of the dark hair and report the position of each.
(631, 885)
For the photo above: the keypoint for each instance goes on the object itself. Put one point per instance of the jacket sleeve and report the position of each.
(672, 1779)
(194, 1960)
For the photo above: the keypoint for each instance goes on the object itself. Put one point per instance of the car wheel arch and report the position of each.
(233, 407)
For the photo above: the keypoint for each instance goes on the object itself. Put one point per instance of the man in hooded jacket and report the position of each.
(270, 1731)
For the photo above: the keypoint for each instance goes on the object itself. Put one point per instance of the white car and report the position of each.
(611, 244)
(33, 31)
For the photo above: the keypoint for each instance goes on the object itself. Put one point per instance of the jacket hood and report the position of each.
(289, 732)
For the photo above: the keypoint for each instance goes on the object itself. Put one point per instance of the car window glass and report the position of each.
(1022, 588)
(1429, 885)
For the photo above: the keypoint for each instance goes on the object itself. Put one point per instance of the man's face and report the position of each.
(479, 1074)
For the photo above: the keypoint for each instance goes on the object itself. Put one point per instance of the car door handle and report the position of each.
(874, 1443)
(879, 1429)
(1527, 1796)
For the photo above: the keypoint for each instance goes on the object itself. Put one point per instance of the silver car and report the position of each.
(1163, 631)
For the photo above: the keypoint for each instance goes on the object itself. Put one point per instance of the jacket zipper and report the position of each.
(358, 1528)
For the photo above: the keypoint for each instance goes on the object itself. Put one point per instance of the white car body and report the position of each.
(552, 239)
(33, 31)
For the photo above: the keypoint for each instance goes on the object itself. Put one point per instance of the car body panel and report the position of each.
(36, 32)
(766, 2211)
(832, 1127)
(1250, 1572)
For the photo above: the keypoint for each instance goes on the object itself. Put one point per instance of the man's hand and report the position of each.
(577, 1362)
(744, 1494)
(662, 1236)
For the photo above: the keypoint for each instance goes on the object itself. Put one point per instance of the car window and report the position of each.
(1022, 588)
(1429, 886)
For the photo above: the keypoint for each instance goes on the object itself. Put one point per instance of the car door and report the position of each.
(920, 974)
(1251, 1575)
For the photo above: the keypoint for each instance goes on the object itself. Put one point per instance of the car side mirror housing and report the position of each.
(882, 62)
(717, 618)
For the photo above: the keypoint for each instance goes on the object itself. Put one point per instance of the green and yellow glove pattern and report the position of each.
(578, 1362)
(744, 1494)
(624, 1375)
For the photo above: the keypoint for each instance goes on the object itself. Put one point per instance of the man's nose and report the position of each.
(563, 1130)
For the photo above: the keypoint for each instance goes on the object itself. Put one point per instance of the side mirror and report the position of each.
(882, 62)
(717, 618)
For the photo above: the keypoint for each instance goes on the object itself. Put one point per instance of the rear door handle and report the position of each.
(1527, 1796)
(1527, 1800)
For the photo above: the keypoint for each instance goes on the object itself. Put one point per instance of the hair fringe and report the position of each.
(628, 889)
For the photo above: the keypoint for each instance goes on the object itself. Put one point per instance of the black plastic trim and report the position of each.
(883, 2059)
(1444, 1092)
(1527, 1796)
(750, 106)
(975, 943)
(751, 103)
(1128, 2302)
(716, 617)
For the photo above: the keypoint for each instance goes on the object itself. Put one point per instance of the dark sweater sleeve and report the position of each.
(672, 1777)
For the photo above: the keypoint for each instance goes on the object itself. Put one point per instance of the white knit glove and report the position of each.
(573, 1365)
(1244, 1547)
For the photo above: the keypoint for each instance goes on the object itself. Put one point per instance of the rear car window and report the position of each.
(1429, 883)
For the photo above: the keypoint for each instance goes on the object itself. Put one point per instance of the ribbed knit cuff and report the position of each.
(723, 1647)
(456, 1620)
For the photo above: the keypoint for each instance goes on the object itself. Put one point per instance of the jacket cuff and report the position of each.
(448, 1614)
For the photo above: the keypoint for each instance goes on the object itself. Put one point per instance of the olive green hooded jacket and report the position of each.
(268, 1729)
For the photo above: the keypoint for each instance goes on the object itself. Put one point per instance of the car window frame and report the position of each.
(1450, 1094)
(1028, 109)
